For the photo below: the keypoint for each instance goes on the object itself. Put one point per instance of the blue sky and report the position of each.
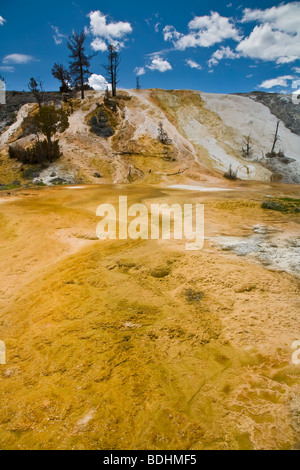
(223, 47)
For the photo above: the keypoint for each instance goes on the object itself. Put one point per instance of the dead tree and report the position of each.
(231, 174)
(276, 138)
(247, 147)
(112, 68)
(80, 62)
(138, 84)
(35, 87)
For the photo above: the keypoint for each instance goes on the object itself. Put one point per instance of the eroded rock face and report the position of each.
(100, 125)
(119, 139)
(15, 100)
(282, 107)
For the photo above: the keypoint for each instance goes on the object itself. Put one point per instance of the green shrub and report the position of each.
(231, 174)
(273, 206)
(273, 154)
(288, 205)
(41, 152)
(100, 125)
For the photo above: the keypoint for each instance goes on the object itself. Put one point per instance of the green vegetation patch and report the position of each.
(284, 205)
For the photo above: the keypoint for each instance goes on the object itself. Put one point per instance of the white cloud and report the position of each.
(277, 37)
(98, 82)
(204, 31)
(7, 68)
(107, 33)
(170, 34)
(57, 36)
(212, 62)
(284, 17)
(296, 84)
(222, 53)
(99, 45)
(279, 81)
(17, 59)
(160, 65)
(154, 21)
(2, 21)
(296, 69)
(139, 71)
(193, 64)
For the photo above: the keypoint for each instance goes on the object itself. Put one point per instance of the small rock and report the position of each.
(31, 173)
(97, 175)
(193, 296)
(260, 229)
(58, 181)
(53, 175)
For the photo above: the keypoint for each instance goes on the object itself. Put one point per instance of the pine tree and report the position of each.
(36, 88)
(63, 75)
(80, 62)
(112, 68)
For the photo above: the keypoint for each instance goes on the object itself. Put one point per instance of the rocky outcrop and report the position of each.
(15, 100)
(281, 106)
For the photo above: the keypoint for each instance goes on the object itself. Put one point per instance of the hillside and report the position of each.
(207, 133)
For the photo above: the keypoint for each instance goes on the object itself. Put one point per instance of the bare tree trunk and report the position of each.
(112, 68)
(82, 83)
(50, 144)
(276, 137)
(112, 76)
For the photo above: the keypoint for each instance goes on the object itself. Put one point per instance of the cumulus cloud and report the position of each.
(223, 53)
(296, 69)
(2, 20)
(276, 37)
(204, 31)
(98, 82)
(139, 71)
(284, 17)
(274, 82)
(99, 45)
(57, 36)
(193, 64)
(18, 59)
(170, 34)
(160, 65)
(107, 32)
